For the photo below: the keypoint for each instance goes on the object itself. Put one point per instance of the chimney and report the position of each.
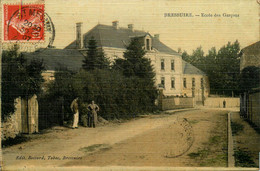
(115, 24)
(157, 36)
(131, 27)
(79, 37)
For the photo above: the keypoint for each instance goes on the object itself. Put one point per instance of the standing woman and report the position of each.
(75, 109)
(93, 108)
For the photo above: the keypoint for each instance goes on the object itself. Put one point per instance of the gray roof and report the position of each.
(187, 68)
(108, 36)
(55, 58)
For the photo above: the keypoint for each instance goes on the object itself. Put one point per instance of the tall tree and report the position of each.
(222, 67)
(228, 62)
(134, 63)
(19, 79)
(185, 56)
(138, 68)
(95, 58)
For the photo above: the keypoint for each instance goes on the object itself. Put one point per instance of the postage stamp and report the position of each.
(24, 23)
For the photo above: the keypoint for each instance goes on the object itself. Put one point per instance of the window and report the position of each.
(172, 65)
(193, 87)
(163, 82)
(173, 82)
(193, 82)
(162, 64)
(184, 83)
(201, 82)
(148, 44)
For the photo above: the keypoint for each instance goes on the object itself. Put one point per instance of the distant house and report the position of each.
(250, 56)
(54, 59)
(173, 74)
(250, 99)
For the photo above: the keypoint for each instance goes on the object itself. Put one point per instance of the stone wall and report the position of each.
(177, 103)
(12, 126)
(217, 102)
(33, 114)
(16, 123)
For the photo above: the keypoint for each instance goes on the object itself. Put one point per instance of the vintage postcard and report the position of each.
(130, 84)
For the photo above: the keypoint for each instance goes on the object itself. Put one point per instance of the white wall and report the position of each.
(218, 102)
(198, 89)
(155, 57)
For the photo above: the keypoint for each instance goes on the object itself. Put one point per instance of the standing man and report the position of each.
(93, 109)
(75, 109)
(224, 103)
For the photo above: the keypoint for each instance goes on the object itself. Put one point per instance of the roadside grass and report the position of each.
(243, 158)
(96, 147)
(236, 128)
(214, 140)
(214, 151)
(193, 121)
(13, 141)
(201, 154)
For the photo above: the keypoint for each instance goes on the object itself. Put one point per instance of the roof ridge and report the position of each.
(123, 28)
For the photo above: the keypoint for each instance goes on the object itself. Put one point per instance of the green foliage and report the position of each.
(19, 79)
(95, 58)
(222, 67)
(13, 141)
(117, 96)
(236, 128)
(60, 93)
(134, 62)
(243, 158)
(140, 71)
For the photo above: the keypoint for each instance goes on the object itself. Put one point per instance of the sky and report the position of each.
(186, 33)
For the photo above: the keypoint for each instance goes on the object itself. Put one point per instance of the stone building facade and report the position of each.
(174, 75)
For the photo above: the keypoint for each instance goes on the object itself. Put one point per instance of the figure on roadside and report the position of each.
(75, 109)
(93, 109)
(224, 103)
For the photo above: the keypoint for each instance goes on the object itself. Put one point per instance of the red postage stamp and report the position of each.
(23, 23)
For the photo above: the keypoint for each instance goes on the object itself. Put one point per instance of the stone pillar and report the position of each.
(160, 99)
(18, 114)
(33, 114)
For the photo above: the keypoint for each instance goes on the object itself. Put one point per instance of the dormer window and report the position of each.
(147, 42)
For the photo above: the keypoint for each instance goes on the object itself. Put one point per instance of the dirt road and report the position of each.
(154, 140)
